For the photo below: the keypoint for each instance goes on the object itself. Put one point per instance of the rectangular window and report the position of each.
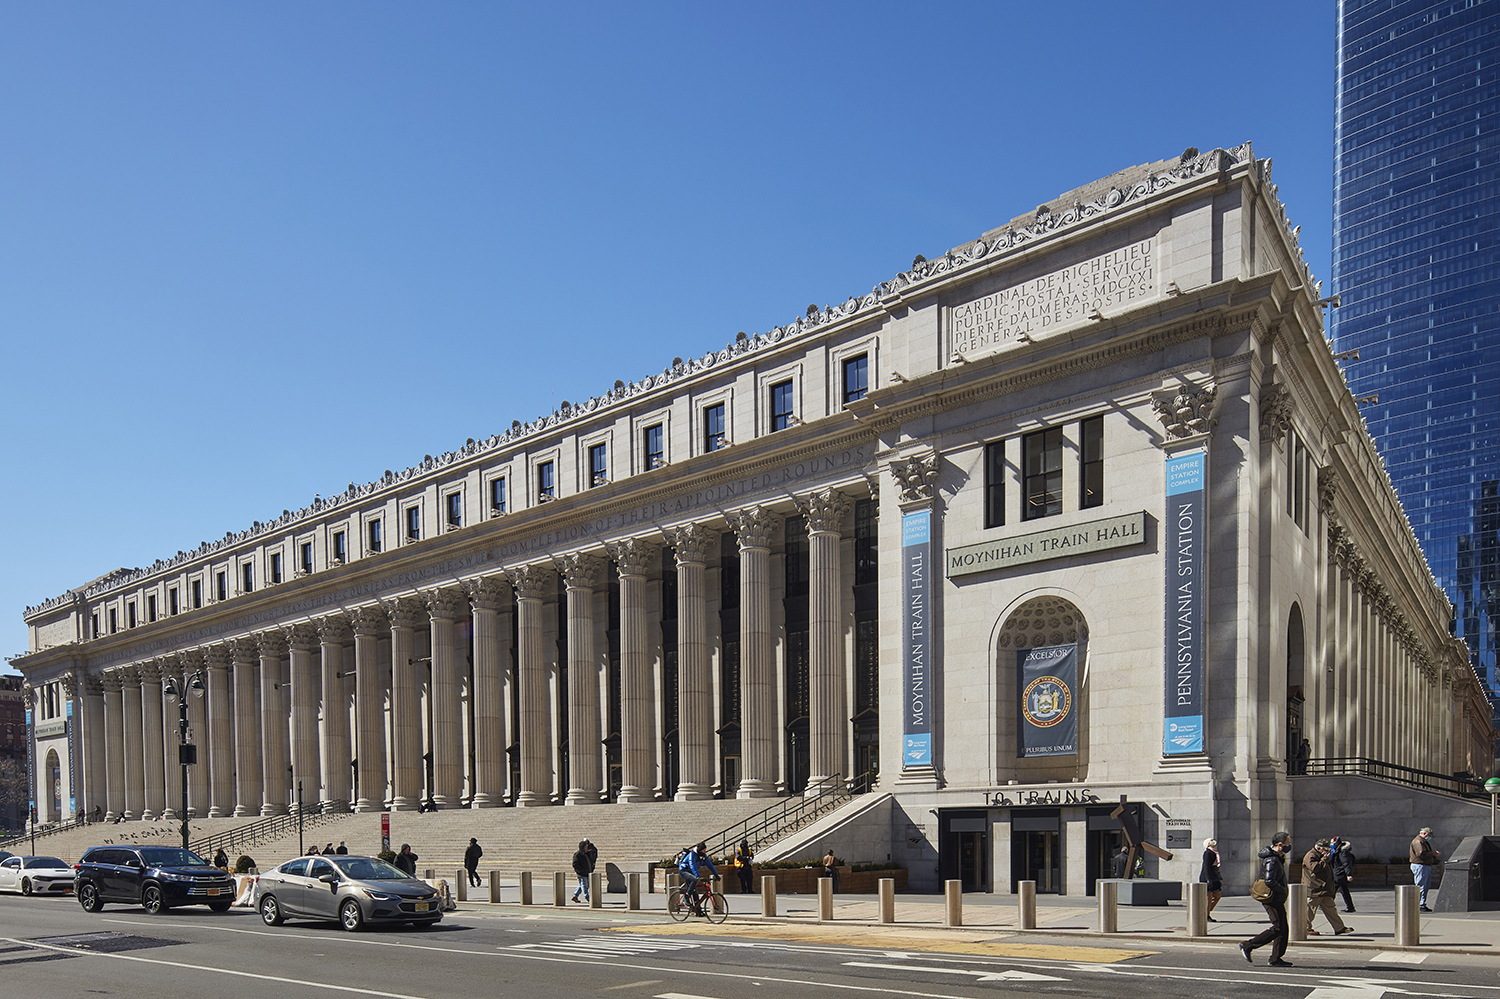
(306, 555)
(781, 406)
(276, 567)
(247, 577)
(130, 614)
(413, 523)
(598, 465)
(656, 454)
(221, 580)
(340, 548)
(546, 484)
(713, 428)
(994, 484)
(114, 621)
(1299, 482)
(150, 607)
(1042, 483)
(375, 536)
(197, 594)
(455, 509)
(173, 608)
(93, 625)
(497, 495)
(1091, 463)
(856, 378)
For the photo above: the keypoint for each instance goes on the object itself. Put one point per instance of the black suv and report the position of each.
(154, 877)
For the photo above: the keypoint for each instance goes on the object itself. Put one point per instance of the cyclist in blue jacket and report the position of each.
(691, 869)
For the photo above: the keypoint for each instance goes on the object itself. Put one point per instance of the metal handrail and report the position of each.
(255, 833)
(788, 815)
(51, 828)
(1394, 773)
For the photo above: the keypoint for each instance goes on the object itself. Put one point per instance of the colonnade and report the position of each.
(342, 703)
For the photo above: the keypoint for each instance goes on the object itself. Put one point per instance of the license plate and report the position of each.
(212, 891)
(420, 906)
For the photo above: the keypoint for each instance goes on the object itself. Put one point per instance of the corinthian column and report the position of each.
(246, 729)
(754, 526)
(694, 545)
(273, 724)
(114, 746)
(581, 572)
(135, 767)
(369, 735)
(301, 640)
(828, 724)
(444, 607)
(406, 707)
(635, 556)
(151, 741)
(487, 598)
(96, 779)
(333, 632)
(530, 583)
(220, 734)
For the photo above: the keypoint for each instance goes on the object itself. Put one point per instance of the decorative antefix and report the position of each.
(1188, 412)
(915, 476)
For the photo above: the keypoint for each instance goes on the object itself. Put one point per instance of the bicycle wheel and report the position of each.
(676, 908)
(716, 908)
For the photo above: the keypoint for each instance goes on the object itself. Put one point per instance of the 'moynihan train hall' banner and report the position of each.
(1183, 727)
(1047, 678)
(916, 545)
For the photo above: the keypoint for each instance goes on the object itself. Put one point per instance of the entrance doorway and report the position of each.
(1036, 849)
(1105, 838)
(964, 849)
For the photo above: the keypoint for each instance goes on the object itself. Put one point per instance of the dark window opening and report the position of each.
(856, 378)
(713, 428)
(1091, 468)
(655, 446)
(598, 465)
(994, 484)
(455, 509)
(781, 406)
(1043, 474)
(546, 486)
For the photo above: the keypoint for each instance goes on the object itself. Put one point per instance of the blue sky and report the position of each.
(253, 252)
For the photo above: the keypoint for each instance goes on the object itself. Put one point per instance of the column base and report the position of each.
(272, 808)
(405, 803)
(924, 776)
(755, 789)
(335, 806)
(147, 815)
(169, 815)
(240, 811)
(694, 792)
(446, 802)
(582, 796)
(634, 796)
(367, 805)
(532, 799)
(483, 799)
(113, 816)
(215, 812)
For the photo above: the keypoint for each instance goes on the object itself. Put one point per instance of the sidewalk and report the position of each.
(1060, 916)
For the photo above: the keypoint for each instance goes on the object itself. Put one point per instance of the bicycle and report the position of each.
(708, 903)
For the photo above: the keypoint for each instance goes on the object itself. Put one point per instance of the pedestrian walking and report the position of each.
(1211, 875)
(584, 859)
(406, 861)
(743, 856)
(1343, 870)
(1423, 859)
(1270, 891)
(471, 861)
(1317, 875)
(1121, 863)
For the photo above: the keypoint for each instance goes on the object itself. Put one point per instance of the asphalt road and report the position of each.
(51, 947)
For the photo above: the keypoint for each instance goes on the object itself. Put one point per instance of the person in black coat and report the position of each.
(406, 861)
(1272, 870)
(471, 861)
(1211, 875)
(1343, 870)
(584, 859)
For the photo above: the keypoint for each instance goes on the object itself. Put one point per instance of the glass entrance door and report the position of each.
(1037, 856)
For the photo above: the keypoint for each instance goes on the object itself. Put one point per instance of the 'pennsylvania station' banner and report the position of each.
(1183, 535)
(1047, 679)
(916, 688)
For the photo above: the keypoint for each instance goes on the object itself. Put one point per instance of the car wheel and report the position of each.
(88, 897)
(351, 916)
(152, 900)
(25, 886)
(270, 911)
(221, 906)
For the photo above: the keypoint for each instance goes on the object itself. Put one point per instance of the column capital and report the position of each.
(530, 581)
(270, 644)
(244, 650)
(189, 660)
(70, 685)
(487, 593)
(130, 675)
(301, 637)
(1187, 411)
(333, 629)
(825, 510)
(149, 671)
(446, 604)
(754, 526)
(405, 612)
(693, 543)
(580, 570)
(112, 681)
(633, 555)
(916, 476)
(218, 657)
(93, 685)
(368, 621)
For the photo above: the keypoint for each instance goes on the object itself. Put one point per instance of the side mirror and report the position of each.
(329, 879)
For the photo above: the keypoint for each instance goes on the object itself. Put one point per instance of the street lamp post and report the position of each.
(187, 753)
(1493, 787)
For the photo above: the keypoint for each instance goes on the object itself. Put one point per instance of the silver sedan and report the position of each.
(356, 891)
(36, 876)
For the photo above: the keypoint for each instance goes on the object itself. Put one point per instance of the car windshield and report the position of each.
(368, 869)
(161, 856)
(42, 862)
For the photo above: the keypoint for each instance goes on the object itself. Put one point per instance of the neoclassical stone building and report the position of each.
(1079, 510)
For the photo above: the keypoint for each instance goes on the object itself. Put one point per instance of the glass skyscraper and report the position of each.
(1416, 262)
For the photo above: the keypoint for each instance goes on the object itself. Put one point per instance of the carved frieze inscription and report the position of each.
(1057, 299)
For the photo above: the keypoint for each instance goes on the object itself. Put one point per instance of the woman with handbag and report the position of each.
(1211, 876)
(1270, 891)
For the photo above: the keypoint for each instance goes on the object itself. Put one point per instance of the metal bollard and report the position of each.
(427, 873)
(596, 890)
(461, 884)
(1196, 893)
(1026, 903)
(768, 896)
(1296, 912)
(1109, 910)
(825, 899)
(633, 891)
(953, 903)
(525, 887)
(1408, 916)
(494, 886)
(887, 900)
(560, 889)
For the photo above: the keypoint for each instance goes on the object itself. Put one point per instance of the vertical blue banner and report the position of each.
(72, 769)
(916, 691)
(1045, 681)
(1183, 534)
(30, 758)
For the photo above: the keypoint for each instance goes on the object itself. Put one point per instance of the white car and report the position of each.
(36, 876)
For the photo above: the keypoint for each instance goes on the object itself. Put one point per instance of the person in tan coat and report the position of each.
(1317, 875)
